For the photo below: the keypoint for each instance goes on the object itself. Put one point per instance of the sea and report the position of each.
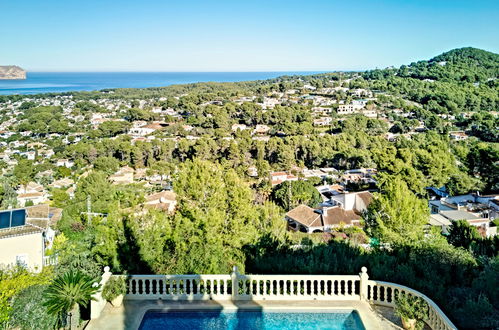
(57, 82)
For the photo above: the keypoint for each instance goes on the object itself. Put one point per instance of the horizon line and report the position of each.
(196, 71)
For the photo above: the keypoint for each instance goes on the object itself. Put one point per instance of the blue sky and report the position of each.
(162, 35)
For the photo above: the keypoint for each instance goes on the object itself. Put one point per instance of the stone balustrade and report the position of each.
(238, 286)
(179, 287)
(384, 293)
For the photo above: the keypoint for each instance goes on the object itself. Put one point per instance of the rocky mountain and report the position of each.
(12, 72)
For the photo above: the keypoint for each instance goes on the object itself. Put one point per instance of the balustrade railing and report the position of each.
(385, 294)
(277, 287)
(179, 287)
(298, 287)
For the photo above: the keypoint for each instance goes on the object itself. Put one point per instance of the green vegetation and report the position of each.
(12, 282)
(396, 214)
(227, 217)
(412, 308)
(290, 194)
(114, 287)
(67, 292)
(29, 312)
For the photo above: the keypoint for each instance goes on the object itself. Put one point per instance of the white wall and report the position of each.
(29, 246)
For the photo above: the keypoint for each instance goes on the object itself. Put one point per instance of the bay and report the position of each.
(56, 82)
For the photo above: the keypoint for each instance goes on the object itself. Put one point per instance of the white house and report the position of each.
(341, 210)
(64, 163)
(164, 200)
(25, 240)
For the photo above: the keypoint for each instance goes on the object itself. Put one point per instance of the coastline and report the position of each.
(61, 82)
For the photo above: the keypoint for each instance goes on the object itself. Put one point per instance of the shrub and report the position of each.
(28, 311)
(115, 287)
(410, 307)
(67, 291)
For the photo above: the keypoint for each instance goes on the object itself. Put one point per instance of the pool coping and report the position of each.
(130, 315)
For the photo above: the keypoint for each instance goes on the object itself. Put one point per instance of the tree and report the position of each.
(396, 214)
(106, 164)
(215, 218)
(67, 292)
(462, 234)
(24, 171)
(290, 194)
(111, 128)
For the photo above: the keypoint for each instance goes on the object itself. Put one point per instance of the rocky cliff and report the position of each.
(12, 72)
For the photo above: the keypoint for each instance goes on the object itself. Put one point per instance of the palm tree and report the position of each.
(67, 291)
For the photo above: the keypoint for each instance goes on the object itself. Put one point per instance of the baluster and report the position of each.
(298, 288)
(132, 287)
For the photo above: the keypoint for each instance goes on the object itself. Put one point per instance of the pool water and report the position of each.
(242, 320)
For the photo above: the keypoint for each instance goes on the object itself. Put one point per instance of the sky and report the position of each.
(251, 35)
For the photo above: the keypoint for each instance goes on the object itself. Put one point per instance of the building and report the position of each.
(458, 135)
(477, 210)
(123, 176)
(164, 200)
(279, 177)
(342, 210)
(64, 163)
(239, 127)
(261, 129)
(26, 235)
(323, 121)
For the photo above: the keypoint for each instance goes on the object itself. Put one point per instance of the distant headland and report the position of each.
(12, 72)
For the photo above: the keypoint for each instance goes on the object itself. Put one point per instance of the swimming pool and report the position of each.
(246, 320)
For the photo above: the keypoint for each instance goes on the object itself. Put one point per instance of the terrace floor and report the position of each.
(130, 314)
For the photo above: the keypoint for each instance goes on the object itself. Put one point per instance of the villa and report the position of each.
(477, 210)
(341, 210)
(26, 235)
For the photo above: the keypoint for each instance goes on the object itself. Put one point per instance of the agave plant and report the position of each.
(68, 290)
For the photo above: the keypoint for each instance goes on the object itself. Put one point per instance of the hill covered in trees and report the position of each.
(459, 65)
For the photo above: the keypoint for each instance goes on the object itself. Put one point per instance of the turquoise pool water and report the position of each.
(246, 320)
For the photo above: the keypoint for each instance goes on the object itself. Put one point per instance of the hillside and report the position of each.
(460, 80)
(463, 64)
(12, 72)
